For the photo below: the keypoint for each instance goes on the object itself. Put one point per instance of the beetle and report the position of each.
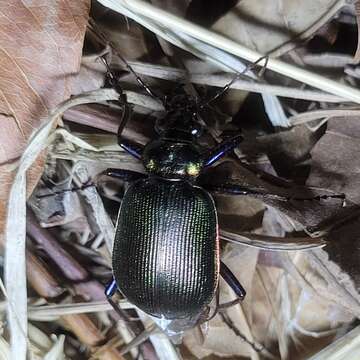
(166, 257)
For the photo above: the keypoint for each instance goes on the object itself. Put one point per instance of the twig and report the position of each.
(42, 281)
(87, 333)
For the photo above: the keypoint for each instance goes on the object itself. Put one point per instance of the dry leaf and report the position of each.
(266, 25)
(335, 164)
(313, 215)
(40, 55)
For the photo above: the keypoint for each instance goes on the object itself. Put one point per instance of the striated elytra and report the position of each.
(166, 248)
(165, 256)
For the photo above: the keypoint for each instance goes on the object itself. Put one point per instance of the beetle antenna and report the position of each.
(222, 91)
(103, 38)
(141, 82)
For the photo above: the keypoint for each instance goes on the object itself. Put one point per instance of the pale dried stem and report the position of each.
(220, 80)
(306, 117)
(44, 312)
(179, 31)
(15, 231)
(272, 243)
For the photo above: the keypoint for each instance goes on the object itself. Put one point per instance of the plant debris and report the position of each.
(290, 237)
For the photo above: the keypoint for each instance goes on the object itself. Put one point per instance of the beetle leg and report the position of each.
(236, 189)
(110, 291)
(126, 175)
(111, 288)
(232, 281)
(132, 147)
(222, 149)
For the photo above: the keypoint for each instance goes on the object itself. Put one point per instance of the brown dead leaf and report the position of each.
(40, 52)
(336, 167)
(296, 202)
(267, 25)
(335, 162)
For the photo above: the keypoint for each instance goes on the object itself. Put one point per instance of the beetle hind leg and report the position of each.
(235, 285)
(110, 291)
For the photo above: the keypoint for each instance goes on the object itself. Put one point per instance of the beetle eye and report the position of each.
(196, 130)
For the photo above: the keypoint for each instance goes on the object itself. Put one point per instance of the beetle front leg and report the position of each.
(131, 147)
(222, 149)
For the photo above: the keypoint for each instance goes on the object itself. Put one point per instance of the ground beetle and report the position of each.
(166, 257)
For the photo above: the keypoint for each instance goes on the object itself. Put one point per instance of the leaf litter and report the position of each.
(293, 243)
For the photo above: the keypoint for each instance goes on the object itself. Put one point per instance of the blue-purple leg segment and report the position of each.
(122, 174)
(131, 147)
(232, 281)
(233, 189)
(110, 291)
(111, 288)
(222, 149)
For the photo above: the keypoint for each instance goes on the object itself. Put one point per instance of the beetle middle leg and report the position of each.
(222, 149)
(237, 189)
(122, 174)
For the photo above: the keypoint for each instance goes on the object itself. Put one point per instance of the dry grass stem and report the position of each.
(220, 80)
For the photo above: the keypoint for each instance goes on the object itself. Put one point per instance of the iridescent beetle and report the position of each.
(166, 257)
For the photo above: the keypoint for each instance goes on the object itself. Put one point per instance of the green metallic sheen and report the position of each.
(165, 256)
(172, 160)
